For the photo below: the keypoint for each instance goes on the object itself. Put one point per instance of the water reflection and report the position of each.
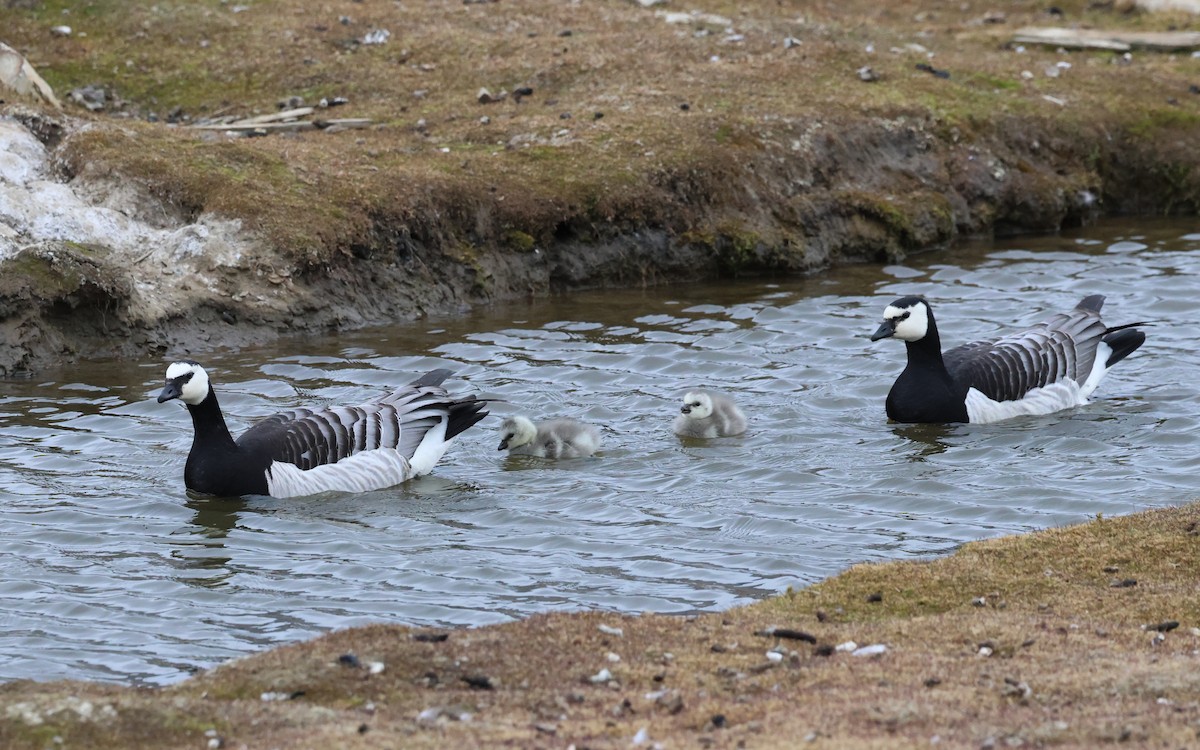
(925, 440)
(92, 501)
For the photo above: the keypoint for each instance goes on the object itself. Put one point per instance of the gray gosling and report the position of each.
(705, 414)
(558, 438)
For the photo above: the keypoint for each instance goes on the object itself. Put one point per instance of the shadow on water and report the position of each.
(201, 544)
(925, 440)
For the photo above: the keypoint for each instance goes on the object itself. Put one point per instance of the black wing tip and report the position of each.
(464, 414)
(1123, 342)
(1091, 302)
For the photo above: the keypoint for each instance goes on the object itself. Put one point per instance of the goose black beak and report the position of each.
(887, 329)
(685, 409)
(171, 390)
(503, 444)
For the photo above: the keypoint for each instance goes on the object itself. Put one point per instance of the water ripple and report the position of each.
(111, 572)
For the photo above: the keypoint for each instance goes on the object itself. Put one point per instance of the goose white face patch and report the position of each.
(911, 323)
(195, 388)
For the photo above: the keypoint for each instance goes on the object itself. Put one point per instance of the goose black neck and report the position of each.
(926, 352)
(209, 423)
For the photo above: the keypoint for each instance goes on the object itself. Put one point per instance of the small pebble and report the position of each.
(376, 36)
(601, 677)
(376, 667)
(847, 646)
(873, 650)
(610, 630)
(774, 656)
(479, 681)
(788, 633)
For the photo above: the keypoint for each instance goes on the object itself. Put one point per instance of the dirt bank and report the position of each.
(620, 145)
(1076, 638)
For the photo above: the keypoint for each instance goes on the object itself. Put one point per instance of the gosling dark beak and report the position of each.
(503, 444)
(171, 390)
(685, 409)
(886, 330)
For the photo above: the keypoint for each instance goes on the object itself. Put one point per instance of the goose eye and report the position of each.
(905, 315)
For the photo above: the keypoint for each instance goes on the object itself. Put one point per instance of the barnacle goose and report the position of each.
(379, 444)
(557, 438)
(705, 414)
(1053, 365)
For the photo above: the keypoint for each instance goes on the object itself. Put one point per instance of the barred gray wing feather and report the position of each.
(1063, 346)
(314, 437)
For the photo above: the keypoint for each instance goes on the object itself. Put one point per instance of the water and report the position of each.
(108, 571)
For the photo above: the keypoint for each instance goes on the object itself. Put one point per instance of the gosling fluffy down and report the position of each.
(705, 414)
(557, 438)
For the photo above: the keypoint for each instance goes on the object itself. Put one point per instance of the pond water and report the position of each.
(109, 571)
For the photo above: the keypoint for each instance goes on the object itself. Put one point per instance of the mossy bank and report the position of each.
(618, 145)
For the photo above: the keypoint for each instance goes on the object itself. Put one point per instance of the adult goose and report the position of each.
(1053, 365)
(557, 438)
(706, 414)
(379, 444)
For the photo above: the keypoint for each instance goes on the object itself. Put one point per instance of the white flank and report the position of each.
(1103, 352)
(362, 472)
(1045, 400)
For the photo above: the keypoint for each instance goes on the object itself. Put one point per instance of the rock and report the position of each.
(487, 97)
(17, 75)
(92, 97)
(932, 70)
(376, 36)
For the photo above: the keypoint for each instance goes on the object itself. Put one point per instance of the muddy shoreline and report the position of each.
(897, 188)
